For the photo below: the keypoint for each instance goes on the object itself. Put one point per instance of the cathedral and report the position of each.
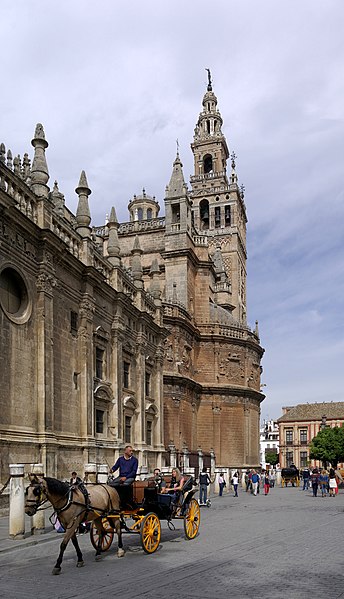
(132, 332)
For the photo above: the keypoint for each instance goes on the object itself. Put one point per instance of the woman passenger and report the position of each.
(176, 485)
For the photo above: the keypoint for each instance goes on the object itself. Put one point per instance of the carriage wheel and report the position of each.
(150, 533)
(107, 536)
(192, 519)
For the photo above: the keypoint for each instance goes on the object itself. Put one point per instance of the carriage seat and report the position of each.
(139, 487)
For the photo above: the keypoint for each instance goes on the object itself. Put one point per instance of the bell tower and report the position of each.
(218, 203)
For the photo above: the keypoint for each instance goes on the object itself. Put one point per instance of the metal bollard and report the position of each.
(38, 520)
(17, 502)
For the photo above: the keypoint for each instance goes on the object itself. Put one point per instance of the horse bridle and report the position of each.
(39, 494)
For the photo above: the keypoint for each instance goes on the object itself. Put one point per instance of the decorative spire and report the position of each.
(26, 167)
(39, 169)
(209, 87)
(155, 285)
(9, 160)
(83, 215)
(2, 152)
(256, 330)
(57, 199)
(177, 186)
(136, 265)
(113, 243)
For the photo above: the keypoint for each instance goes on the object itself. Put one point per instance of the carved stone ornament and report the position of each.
(86, 309)
(45, 282)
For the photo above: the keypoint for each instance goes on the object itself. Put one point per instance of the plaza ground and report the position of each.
(287, 544)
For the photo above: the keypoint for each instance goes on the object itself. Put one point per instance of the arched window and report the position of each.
(227, 216)
(208, 163)
(217, 217)
(140, 214)
(149, 214)
(204, 214)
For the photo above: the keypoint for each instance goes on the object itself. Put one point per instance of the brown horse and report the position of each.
(72, 507)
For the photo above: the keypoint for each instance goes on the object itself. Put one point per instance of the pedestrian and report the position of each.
(248, 481)
(272, 478)
(315, 481)
(339, 478)
(222, 483)
(305, 476)
(332, 482)
(255, 482)
(266, 483)
(323, 482)
(204, 482)
(235, 483)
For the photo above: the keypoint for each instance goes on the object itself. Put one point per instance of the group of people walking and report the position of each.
(325, 480)
(253, 481)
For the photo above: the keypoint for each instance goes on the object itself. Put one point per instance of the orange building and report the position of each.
(300, 424)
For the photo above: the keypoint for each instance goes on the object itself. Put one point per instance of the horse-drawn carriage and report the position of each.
(145, 506)
(136, 509)
(290, 475)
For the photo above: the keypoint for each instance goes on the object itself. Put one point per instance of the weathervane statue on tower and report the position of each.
(209, 88)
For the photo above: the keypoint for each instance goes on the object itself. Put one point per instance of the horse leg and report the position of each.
(120, 550)
(100, 530)
(57, 567)
(68, 534)
(80, 561)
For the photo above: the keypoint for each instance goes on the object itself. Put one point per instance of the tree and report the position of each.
(328, 446)
(271, 458)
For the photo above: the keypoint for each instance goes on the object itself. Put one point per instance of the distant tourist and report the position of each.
(266, 483)
(255, 482)
(272, 478)
(222, 483)
(204, 482)
(315, 481)
(332, 483)
(323, 482)
(305, 476)
(235, 483)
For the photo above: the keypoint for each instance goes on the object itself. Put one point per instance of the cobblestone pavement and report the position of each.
(286, 545)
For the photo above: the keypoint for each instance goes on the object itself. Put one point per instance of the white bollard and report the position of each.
(90, 473)
(38, 520)
(17, 502)
(102, 474)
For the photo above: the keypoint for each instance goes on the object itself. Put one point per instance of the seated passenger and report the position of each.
(127, 465)
(159, 479)
(176, 485)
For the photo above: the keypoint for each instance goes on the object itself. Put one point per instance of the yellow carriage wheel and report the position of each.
(192, 519)
(150, 533)
(107, 536)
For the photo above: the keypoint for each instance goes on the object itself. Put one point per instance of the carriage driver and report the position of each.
(127, 465)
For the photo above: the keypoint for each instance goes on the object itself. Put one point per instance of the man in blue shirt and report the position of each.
(127, 465)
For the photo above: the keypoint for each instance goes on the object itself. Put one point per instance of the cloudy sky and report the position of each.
(116, 83)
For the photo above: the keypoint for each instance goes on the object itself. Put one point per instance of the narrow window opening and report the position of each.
(99, 362)
(126, 367)
(127, 429)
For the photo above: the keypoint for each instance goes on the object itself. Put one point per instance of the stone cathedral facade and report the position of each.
(129, 332)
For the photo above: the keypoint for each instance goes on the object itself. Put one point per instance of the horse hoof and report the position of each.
(120, 553)
(56, 571)
(80, 564)
(98, 558)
